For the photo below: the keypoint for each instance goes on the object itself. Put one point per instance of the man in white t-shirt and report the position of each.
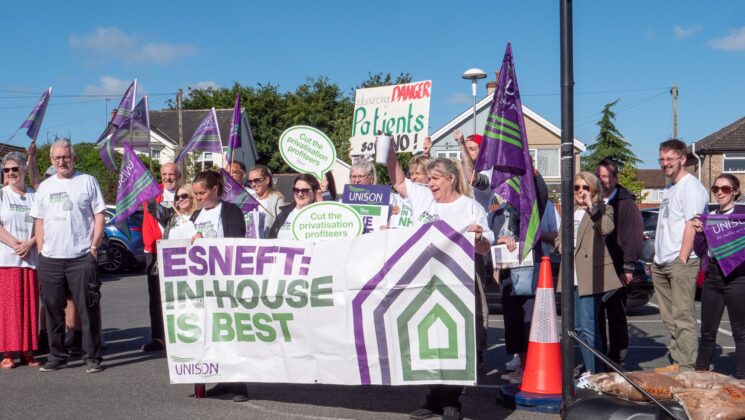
(69, 221)
(675, 264)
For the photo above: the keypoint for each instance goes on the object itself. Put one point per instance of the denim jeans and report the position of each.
(586, 311)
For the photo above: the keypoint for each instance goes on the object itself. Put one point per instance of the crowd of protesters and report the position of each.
(50, 234)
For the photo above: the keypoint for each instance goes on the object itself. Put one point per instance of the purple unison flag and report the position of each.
(505, 150)
(122, 112)
(206, 138)
(135, 130)
(236, 194)
(234, 142)
(725, 235)
(34, 119)
(136, 185)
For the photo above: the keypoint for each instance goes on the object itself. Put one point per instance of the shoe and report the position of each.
(74, 344)
(667, 369)
(28, 359)
(240, 393)
(53, 365)
(219, 389)
(583, 381)
(424, 413)
(93, 366)
(515, 377)
(7, 363)
(451, 413)
(513, 364)
(155, 345)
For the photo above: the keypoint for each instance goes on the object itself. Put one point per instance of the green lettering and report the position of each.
(191, 331)
(169, 295)
(316, 291)
(359, 117)
(222, 327)
(283, 318)
(184, 291)
(227, 293)
(253, 302)
(264, 330)
(301, 295)
(171, 330)
(419, 125)
(277, 302)
(243, 327)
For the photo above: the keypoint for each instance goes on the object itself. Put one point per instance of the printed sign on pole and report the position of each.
(401, 111)
(307, 150)
(326, 220)
(371, 202)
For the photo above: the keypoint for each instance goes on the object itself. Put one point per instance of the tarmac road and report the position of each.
(135, 384)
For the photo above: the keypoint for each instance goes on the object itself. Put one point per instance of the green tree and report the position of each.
(630, 180)
(609, 143)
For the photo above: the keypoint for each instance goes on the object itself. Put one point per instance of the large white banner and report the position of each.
(401, 111)
(393, 307)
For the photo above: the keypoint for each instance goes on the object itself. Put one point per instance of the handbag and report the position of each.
(524, 281)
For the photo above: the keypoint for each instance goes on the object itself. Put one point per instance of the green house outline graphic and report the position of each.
(438, 313)
(409, 374)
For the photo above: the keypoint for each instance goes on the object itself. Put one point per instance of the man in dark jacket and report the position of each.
(624, 244)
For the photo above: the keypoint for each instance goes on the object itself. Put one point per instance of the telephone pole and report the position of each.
(674, 92)
(180, 130)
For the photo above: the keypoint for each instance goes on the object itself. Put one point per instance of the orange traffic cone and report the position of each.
(542, 373)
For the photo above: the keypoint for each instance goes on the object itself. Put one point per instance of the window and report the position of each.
(155, 155)
(205, 159)
(450, 154)
(655, 195)
(734, 162)
(547, 162)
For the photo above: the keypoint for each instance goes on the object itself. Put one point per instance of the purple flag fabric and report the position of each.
(234, 142)
(236, 194)
(136, 185)
(107, 154)
(725, 235)
(206, 138)
(135, 130)
(34, 119)
(505, 150)
(121, 113)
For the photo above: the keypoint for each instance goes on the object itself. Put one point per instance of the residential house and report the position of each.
(720, 152)
(544, 139)
(654, 184)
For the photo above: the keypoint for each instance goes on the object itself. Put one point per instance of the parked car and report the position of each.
(125, 251)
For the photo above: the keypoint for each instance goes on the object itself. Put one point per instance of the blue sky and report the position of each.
(633, 50)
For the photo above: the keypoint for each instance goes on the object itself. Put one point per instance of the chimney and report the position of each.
(491, 85)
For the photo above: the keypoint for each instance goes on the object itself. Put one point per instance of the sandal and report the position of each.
(7, 363)
(28, 359)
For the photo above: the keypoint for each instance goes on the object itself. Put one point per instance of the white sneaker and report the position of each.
(582, 382)
(515, 377)
(513, 364)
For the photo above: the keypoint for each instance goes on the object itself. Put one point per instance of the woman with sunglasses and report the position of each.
(593, 220)
(305, 188)
(177, 224)
(261, 181)
(19, 290)
(718, 290)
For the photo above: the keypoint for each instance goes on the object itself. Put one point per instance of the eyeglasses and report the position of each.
(358, 177)
(61, 158)
(301, 191)
(14, 169)
(181, 197)
(669, 160)
(577, 188)
(256, 181)
(725, 189)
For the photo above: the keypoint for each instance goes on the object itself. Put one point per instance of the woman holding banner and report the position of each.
(19, 290)
(305, 188)
(719, 290)
(446, 197)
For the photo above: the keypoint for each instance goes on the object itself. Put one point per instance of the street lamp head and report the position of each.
(474, 74)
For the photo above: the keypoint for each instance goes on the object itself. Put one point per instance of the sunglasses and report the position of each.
(301, 191)
(256, 181)
(14, 169)
(181, 197)
(725, 189)
(578, 188)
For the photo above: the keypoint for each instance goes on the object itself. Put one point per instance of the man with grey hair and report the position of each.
(69, 219)
(362, 173)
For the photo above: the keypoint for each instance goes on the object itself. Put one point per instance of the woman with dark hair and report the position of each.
(593, 220)
(215, 218)
(260, 179)
(719, 290)
(304, 190)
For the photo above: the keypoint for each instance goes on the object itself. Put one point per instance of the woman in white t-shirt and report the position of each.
(304, 190)
(261, 180)
(19, 290)
(178, 225)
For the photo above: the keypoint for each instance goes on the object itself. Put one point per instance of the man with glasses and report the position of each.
(69, 213)
(152, 231)
(675, 264)
(362, 173)
(238, 172)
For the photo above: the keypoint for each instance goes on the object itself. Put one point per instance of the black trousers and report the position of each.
(79, 276)
(153, 293)
(517, 312)
(716, 293)
(615, 337)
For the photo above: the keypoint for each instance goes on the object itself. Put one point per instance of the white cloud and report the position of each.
(110, 43)
(649, 34)
(460, 98)
(110, 86)
(684, 32)
(203, 85)
(735, 41)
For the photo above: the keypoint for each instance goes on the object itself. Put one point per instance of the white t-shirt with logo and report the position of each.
(459, 214)
(680, 202)
(15, 218)
(68, 207)
(285, 232)
(208, 222)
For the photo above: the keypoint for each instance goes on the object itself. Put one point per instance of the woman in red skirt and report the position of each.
(19, 290)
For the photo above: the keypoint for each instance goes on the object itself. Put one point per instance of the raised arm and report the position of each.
(465, 158)
(396, 173)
